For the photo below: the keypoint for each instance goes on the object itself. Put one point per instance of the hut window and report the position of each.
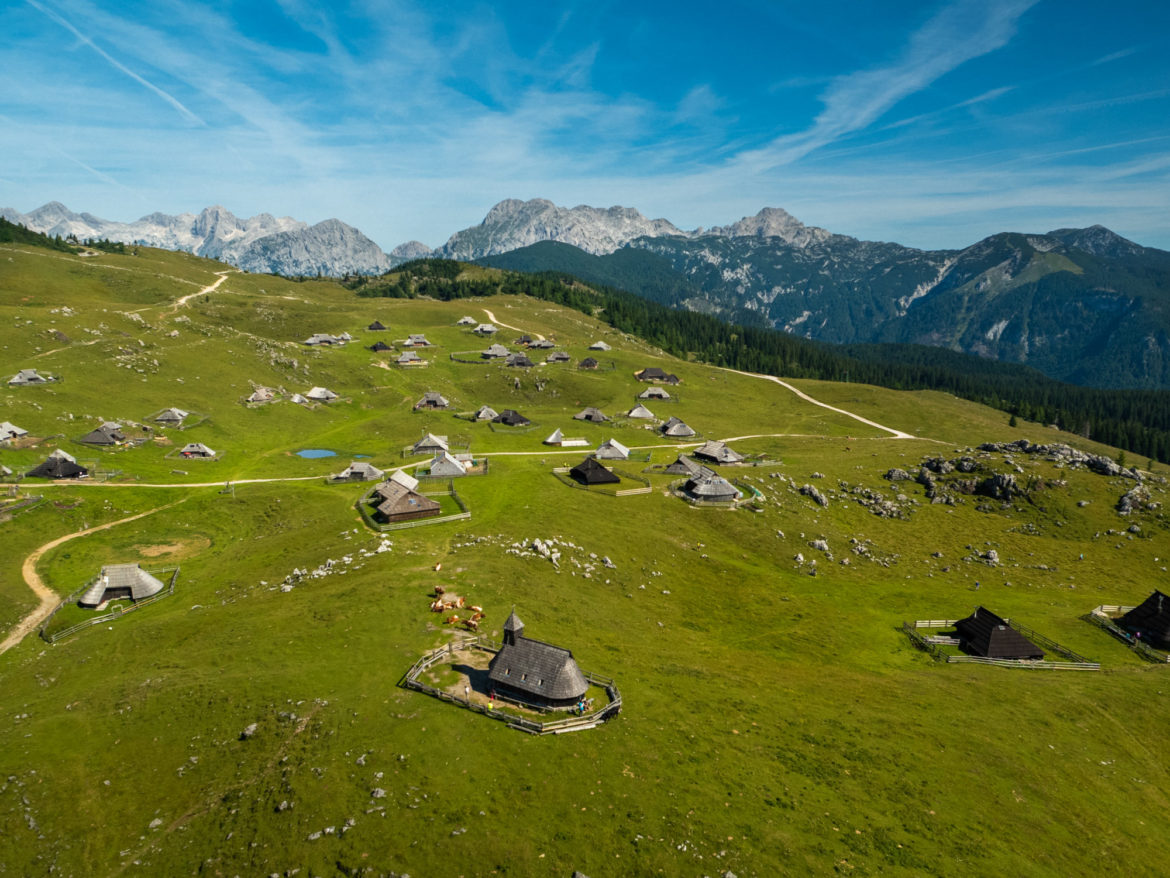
(507, 672)
(523, 677)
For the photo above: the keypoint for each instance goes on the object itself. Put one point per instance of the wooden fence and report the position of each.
(552, 727)
(116, 613)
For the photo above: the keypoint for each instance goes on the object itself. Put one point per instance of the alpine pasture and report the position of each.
(775, 720)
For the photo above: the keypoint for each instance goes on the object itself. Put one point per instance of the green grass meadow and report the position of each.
(775, 721)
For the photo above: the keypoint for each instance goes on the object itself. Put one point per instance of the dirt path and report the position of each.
(210, 288)
(897, 434)
(492, 318)
(48, 597)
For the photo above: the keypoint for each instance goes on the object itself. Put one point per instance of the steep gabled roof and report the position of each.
(262, 394)
(9, 430)
(591, 472)
(599, 346)
(376, 326)
(28, 376)
(405, 479)
(518, 360)
(445, 464)
(465, 321)
(494, 351)
(1150, 619)
(587, 363)
(557, 357)
(555, 437)
(321, 394)
(408, 357)
(986, 634)
(683, 466)
(611, 449)
(430, 443)
(640, 411)
(538, 668)
(486, 413)
(171, 416)
(58, 468)
(379, 346)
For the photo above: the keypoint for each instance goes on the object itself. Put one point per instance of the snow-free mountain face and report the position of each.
(333, 249)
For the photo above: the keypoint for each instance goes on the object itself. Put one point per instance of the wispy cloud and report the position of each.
(170, 99)
(962, 31)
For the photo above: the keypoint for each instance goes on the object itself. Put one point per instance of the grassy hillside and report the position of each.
(775, 720)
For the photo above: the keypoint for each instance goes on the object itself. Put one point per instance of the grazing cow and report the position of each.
(437, 606)
(472, 624)
(451, 620)
(477, 617)
(440, 591)
(462, 603)
(477, 609)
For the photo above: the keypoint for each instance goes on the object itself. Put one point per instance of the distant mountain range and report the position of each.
(262, 243)
(1082, 305)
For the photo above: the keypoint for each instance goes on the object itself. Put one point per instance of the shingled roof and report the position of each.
(675, 428)
(58, 467)
(546, 673)
(590, 472)
(28, 376)
(9, 431)
(446, 464)
(359, 471)
(430, 444)
(683, 466)
(986, 634)
(1150, 620)
(432, 399)
(108, 433)
(486, 413)
(654, 392)
(611, 449)
(511, 418)
(640, 411)
(591, 413)
(121, 581)
(171, 416)
(708, 485)
(401, 502)
(718, 452)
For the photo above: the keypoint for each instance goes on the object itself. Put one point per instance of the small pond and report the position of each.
(316, 452)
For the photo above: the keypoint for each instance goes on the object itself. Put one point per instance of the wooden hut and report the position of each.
(376, 326)
(486, 413)
(171, 417)
(592, 414)
(380, 346)
(588, 363)
(640, 411)
(519, 360)
(399, 503)
(197, 450)
(611, 449)
(359, 471)
(1150, 621)
(108, 433)
(430, 444)
(591, 472)
(121, 581)
(717, 452)
(535, 672)
(26, 377)
(9, 432)
(676, 429)
(58, 466)
(711, 487)
(985, 634)
(511, 418)
(654, 392)
(432, 400)
(683, 466)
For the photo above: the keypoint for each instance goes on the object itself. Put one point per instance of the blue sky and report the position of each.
(928, 123)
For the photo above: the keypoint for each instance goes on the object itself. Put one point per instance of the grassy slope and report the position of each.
(775, 722)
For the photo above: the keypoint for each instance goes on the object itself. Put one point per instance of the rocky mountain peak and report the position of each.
(773, 222)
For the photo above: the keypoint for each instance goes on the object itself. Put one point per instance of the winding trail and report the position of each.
(897, 434)
(492, 318)
(48, 597)
(210, 288)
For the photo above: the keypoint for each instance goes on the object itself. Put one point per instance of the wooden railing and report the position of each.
(932, 646)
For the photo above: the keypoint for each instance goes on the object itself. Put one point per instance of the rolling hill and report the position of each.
(775, 719)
